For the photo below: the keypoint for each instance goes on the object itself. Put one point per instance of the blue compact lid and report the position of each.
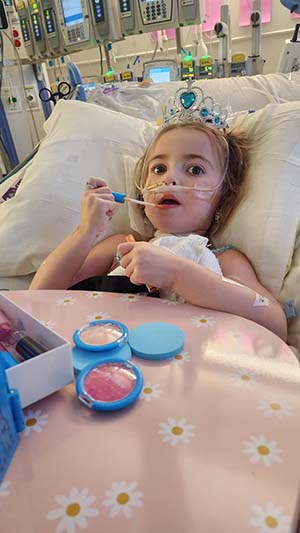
(82, 358)
(109, 385)
(101, 335)
(156, 340)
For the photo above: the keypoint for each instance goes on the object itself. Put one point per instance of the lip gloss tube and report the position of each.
(6, 328)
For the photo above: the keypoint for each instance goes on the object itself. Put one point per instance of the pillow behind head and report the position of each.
(82, 140)
(264, 227)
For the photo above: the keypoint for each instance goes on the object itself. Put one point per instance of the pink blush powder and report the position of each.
(109, 382)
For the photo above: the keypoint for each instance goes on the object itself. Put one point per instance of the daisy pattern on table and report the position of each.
(122, 498)
(48, 323)
(130, 297)
(170, 302)
(270, 519)
(94, 295)
(260, 449)
(203, 321)
(181, 358)
(100, 315)
(244, 378)
(175, 432)
(4, 488)
(34, 420)
(73, 510)
(278, 409)
(150, 391)
(67, 300)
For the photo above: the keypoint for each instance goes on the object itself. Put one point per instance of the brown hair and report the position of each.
(233, 153)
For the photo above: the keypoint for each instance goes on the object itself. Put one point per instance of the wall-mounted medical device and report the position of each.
(74, 19)
(161, 70)
(106, 20)
(238, 65)
(255, 62)
(39, 37)
(128, 14)
(27, 34)
(222, 29)
(290, 57)
(54, 38)
(204, 70)
(139, 16)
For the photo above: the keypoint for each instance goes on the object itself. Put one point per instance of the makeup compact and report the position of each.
(107, 379)
(109, 384)
(98, 339)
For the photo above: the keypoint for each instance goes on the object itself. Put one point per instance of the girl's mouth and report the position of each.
(168, 201)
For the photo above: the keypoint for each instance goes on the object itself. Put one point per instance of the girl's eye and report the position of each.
(195, 170)
(158, 169)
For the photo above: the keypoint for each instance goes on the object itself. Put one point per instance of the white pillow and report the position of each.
(82, 140)
(266, 223)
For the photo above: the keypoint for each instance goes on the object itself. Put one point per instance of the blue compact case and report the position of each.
(101, 335)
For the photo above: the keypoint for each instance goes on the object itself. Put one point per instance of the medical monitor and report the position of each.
(72, 12)
(161, 71)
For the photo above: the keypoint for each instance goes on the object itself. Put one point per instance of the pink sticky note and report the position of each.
(295, 15)
(246, 7)
(212, 14)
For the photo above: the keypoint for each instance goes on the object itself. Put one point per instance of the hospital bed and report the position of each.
(105, 137)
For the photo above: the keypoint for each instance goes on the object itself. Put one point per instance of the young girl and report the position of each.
(193, 177)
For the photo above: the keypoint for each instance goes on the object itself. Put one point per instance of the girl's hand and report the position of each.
(147, 264)
(97, 207)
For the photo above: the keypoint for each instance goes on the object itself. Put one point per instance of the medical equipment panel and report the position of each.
(39, 39)
(161, 70)
(74, 20)
(23, 13)
(162, 14)
(51, 28)
(106, 20)
(128, 16)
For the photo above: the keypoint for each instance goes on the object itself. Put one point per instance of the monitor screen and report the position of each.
(160, 74)
(72, 12)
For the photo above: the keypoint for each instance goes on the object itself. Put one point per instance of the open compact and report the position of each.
(109, 385)
(107, 379)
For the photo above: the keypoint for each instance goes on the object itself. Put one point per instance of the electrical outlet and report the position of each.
(32, 97)
(11, 100)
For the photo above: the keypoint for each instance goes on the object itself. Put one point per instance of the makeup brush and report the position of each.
(120, 198)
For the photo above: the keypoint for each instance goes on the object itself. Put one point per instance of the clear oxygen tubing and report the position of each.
(161, 187)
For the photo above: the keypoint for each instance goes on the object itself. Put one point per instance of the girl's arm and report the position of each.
(241, 295)
(76, 258)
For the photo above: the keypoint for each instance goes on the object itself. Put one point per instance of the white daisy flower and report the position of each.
(260, 449)
(181, 358)
(273, 408)
(270, 519)
(73, 511)
(245, 378)
(150, 391)
(94, 295)
(122, 498)
(34, 420)
(67, 300)
(175, 432)
(4, 488)
(203, 321)
(48, 323)
(100, 315)
(130, 297)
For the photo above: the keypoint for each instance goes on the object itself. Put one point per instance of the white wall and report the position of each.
(274, 35)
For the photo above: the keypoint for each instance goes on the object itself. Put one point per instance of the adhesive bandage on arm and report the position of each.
(260, 301)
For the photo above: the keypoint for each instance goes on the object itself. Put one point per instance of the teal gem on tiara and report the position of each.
(204, 112)
(190, 103)
(187, 99)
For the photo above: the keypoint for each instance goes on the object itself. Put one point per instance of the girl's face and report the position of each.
(183, 157)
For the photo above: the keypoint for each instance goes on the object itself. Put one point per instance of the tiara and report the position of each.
(190, 103)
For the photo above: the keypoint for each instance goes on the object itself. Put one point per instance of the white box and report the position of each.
(46, 373)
